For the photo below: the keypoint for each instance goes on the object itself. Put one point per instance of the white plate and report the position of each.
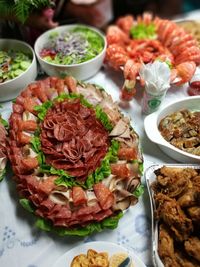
(66, 259)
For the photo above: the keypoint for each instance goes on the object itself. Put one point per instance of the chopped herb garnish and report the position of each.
(143, 31)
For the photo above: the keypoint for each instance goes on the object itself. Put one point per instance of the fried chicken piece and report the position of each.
(170, 212)
(166, 247)
(194, 213)
(192, 247)
(173, 181)
(185, 261)
(189, 199)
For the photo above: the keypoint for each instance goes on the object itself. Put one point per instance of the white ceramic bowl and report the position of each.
(152, 121)
(81, 71)
(11, 88)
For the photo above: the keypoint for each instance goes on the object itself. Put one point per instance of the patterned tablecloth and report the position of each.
(23, 245)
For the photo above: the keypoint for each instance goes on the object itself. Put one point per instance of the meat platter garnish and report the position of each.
(182, 130)
(134, 42)
(177, 195)
(76, 159)
(3, 149)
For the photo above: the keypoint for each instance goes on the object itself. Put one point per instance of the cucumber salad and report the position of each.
(76, 46)
(12, 64)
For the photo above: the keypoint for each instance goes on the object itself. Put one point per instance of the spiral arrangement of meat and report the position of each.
(172, 43)
(73, 143)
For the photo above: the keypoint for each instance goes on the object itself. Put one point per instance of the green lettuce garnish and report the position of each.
(42, 109)
(102, 116)
(4, 122)
(108, 223)
(139, 191)
(143, 31)
(2, 174)
(27, 205)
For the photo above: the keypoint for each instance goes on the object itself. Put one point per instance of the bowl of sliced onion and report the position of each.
(75, 49)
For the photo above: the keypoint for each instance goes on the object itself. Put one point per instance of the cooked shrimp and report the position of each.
(125, 23)
(116, 56)
(185, 71)
(116, 36)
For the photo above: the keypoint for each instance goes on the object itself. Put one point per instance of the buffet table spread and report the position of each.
(23, 245)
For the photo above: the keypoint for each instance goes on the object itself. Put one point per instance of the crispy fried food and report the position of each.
(188, 199)
(166, 246)
(192, 247)
(184, 261)
(170, 212)
(178, 212)
(80, 261)
(97, 259)
(92, 259)
(194, 213)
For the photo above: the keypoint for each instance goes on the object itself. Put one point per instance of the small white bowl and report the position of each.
(11, 88)
(152, 121)
(81, 71)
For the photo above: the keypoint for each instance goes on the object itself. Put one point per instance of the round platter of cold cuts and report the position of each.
(76, 159)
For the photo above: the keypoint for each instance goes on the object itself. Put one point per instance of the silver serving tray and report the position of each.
(150, 177)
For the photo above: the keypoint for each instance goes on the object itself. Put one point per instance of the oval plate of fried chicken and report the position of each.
(174, 192)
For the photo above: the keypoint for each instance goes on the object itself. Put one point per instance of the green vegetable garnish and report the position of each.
(27, 205)
(139, 191)
(12, 64)
(4, 122)
(143, 31)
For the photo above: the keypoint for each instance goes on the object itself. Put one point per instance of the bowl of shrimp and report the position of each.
(71, 50)
(133, 42)
(176, 129)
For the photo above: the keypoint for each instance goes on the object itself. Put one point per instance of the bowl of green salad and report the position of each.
(18, 67)
(75, 49)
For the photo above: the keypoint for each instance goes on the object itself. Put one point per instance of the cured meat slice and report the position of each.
(121, 170)
(78, 196)
(128, 153)
(104, 196)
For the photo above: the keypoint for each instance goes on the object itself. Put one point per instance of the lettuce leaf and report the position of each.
(42, 109)
(143, 31)
(139, 191)
(4, 122)
(27, 205)
(2, 174)
(109, 223)
(102, 116)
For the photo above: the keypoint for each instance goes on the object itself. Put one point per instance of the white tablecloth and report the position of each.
(23, 245)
